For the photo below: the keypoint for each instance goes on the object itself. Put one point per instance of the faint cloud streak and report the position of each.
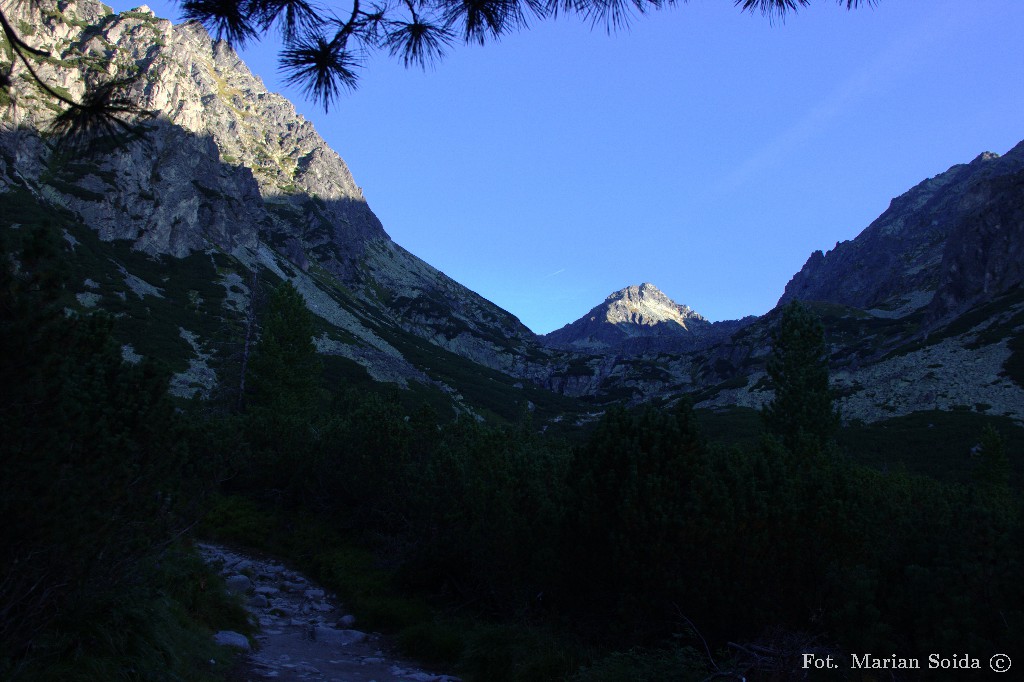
(902, 57)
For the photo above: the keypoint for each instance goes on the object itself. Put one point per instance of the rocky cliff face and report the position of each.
(928, 239)
(984, 254)
(923, 310)
(223, 161)
(227, 166)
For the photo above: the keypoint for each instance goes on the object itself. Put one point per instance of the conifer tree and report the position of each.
(629, 490)
(94, 475)
(992, 475)
(802, 413)
(285, 380)
(286, 370)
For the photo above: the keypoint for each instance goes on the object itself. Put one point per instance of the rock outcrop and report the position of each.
(984, 255)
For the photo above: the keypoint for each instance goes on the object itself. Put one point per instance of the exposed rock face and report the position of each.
(942, 234)
(636, 311)
(227, 165)
(877, 375)
(221, 145)
(984, 256)
(891, 301)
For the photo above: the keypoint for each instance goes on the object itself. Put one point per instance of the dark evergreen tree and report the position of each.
(286, 372)
(992, 475)
(802, 413)
(629, 487)
(94, 476)
(285, 396)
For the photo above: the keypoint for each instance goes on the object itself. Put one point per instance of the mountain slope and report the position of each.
(922, 311)
(928, 240)
(227, 167)
(180, 234)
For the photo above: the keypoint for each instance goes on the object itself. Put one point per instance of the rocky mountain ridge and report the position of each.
(947, 243)
(923, 310)
(231, 191)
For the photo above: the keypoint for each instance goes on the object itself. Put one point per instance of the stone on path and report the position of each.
(238, 584)
(338, 637)
(232, 639)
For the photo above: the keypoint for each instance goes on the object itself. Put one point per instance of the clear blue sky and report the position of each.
(705, 150)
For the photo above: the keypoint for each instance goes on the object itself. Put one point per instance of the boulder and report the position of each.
(238, 584)
(232, 639)
(334, 637)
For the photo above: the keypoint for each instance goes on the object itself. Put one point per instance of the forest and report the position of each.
(635, 549)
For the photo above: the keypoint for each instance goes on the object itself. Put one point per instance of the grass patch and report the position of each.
(438, 643)
(731, 426)
(935, 443)
(157, 627)
(1014, 365)
(516, 653)
(677, 664)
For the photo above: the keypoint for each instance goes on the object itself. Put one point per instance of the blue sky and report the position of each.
(705, 150)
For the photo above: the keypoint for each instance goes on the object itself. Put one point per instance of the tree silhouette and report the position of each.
(286, 371)
(284, 397)
(95, 477)
(802, 412)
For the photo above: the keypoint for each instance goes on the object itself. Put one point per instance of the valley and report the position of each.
(224, 337)
(266, 200)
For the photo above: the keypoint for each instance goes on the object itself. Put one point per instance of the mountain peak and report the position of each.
(639, 310)
(643, 305)
(637, 291)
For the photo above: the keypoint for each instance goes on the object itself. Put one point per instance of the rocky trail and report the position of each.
(305, 634)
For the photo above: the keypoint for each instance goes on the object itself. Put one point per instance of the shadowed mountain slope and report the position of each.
(952, 241)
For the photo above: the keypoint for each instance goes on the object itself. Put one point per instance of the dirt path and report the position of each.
(305, 633)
